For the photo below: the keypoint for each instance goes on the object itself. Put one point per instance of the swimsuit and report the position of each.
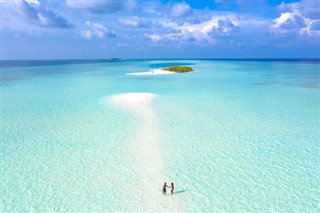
(164, 189)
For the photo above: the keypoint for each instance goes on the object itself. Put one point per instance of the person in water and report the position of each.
(164, 188)
(172, 188)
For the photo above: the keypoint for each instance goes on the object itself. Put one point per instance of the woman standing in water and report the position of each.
(172, 188)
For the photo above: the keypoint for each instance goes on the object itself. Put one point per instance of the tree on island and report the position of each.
(179, 69)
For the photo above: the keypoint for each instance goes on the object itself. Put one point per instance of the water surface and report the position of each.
(234, 136)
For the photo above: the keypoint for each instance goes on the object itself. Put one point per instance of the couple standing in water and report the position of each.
(164, 188)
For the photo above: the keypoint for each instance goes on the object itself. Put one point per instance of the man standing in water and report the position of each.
(172, 188)
(164, 188)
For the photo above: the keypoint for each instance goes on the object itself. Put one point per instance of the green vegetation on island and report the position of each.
(179, 69)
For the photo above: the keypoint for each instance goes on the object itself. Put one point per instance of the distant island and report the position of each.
(179, 69)
(114, 59)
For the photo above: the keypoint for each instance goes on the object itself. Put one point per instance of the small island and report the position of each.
(179, 69)
(114, 59)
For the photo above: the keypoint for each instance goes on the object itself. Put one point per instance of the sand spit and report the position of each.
(131, 100)
(152, 72)
(145, 143)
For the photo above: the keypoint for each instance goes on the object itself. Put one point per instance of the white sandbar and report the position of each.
(152, 72)
(145, 144)
(131, 100)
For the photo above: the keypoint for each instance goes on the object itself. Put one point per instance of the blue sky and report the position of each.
(75, 29)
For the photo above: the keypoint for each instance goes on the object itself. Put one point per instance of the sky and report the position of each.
(151, 29)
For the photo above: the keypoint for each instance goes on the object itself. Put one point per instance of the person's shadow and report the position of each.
(179, 191)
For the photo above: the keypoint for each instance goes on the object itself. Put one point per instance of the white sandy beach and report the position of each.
(152, 72)
(149, 153)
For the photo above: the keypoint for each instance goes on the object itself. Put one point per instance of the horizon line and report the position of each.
(124, 59)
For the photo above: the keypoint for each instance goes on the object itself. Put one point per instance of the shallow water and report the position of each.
(233, 136)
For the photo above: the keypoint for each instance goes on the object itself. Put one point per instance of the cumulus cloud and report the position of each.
(180, 9)
(203, 32)
(216, 26)
(179, 22)
(310, 9)
(297, 17)
(290, 20)
(97, 30)
(102, 6)
(315, 25)
(32, 11)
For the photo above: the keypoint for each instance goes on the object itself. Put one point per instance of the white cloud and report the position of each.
(20, 15)
(203, 32)
(295, 17)
(97, 30)
(180, 9)
(86, 34)
(33, 2)
(153, 37)
(309, 8)
(102, 6)
(315, 25)
(133, 22)
(290, 20)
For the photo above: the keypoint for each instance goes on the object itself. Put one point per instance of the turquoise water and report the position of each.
(235, 136)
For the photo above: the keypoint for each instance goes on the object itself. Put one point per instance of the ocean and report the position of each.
(101, 136)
